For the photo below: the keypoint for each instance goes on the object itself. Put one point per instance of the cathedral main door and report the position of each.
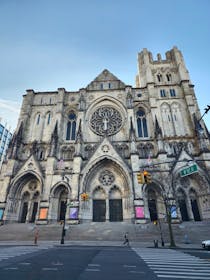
(99, 210)
(115, 210)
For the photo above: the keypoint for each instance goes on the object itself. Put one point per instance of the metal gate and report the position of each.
(99, 210)
(115, 210)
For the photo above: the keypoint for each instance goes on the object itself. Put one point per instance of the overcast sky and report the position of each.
(47, 44)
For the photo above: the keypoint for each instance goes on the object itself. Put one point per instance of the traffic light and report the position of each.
(207, 109)
(147, 177)
(84, 196)
(140, 178)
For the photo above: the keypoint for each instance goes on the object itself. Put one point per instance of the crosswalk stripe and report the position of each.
(183, 277)
(169, 263)
(17, 251)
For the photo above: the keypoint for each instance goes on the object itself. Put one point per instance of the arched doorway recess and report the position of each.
(194, 205)
(181, 196)
(99, 205)
(59, 197)
(115, 205)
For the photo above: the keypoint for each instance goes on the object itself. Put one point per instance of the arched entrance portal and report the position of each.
(109, 189)
(59, 198)
(23, 199)
(115, 205)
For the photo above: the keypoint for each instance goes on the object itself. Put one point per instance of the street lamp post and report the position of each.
(161, 234)
(64, 225)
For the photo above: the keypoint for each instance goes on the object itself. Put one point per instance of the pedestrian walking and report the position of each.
(36, 235)
(126, 240)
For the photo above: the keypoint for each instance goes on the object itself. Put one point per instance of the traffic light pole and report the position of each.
(206, 112)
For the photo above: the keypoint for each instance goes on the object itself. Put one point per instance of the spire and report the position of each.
(82, 102)
(198, 128)
(158, 130)
(54, 141)
(207, 131)
(132, 138)
(79, 138)
(132, 132)
(55, 133)
(15, 142)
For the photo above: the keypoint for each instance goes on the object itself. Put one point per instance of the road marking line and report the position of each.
(126, 265)
(183, 277)
(49, 268)
(25, 263)
(176, 263)
(58, 263)
(182, 273)
(92, 269)
(11, 268)
(134, 271)
(93, 264)
(181, 269)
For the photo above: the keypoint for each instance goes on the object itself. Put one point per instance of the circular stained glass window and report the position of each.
(106, 120)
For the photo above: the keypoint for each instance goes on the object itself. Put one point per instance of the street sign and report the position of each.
(189, 170)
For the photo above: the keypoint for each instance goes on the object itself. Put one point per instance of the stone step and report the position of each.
(196, 231)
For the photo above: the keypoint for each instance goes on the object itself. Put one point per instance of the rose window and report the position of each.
(106, 121)
(106, 178)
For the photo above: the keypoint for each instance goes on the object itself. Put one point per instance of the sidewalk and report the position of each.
(98, 243)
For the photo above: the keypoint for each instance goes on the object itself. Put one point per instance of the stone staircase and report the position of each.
(108, 231)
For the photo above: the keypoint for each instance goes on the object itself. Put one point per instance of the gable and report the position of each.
(105, 81)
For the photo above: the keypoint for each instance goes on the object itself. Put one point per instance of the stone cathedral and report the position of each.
(95, 141)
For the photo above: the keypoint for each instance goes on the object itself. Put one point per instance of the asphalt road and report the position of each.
(102, 263)
(200, 253)
(77, 263)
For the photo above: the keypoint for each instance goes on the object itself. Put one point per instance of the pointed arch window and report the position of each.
(48, 118)
(38, 119)
(141, 124)
(71, 127)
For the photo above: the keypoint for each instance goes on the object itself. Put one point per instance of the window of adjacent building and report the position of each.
(162, 93)
(172, 92)
(109, 85)
(101, 86)
(1, 131)
(141, 124)
(71, 127)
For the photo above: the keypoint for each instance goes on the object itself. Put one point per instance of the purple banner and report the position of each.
(139, 212)
(73, 213)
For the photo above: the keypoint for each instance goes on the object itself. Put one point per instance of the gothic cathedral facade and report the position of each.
(78, 155)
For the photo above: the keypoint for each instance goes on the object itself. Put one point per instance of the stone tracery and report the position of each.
(106, 120)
